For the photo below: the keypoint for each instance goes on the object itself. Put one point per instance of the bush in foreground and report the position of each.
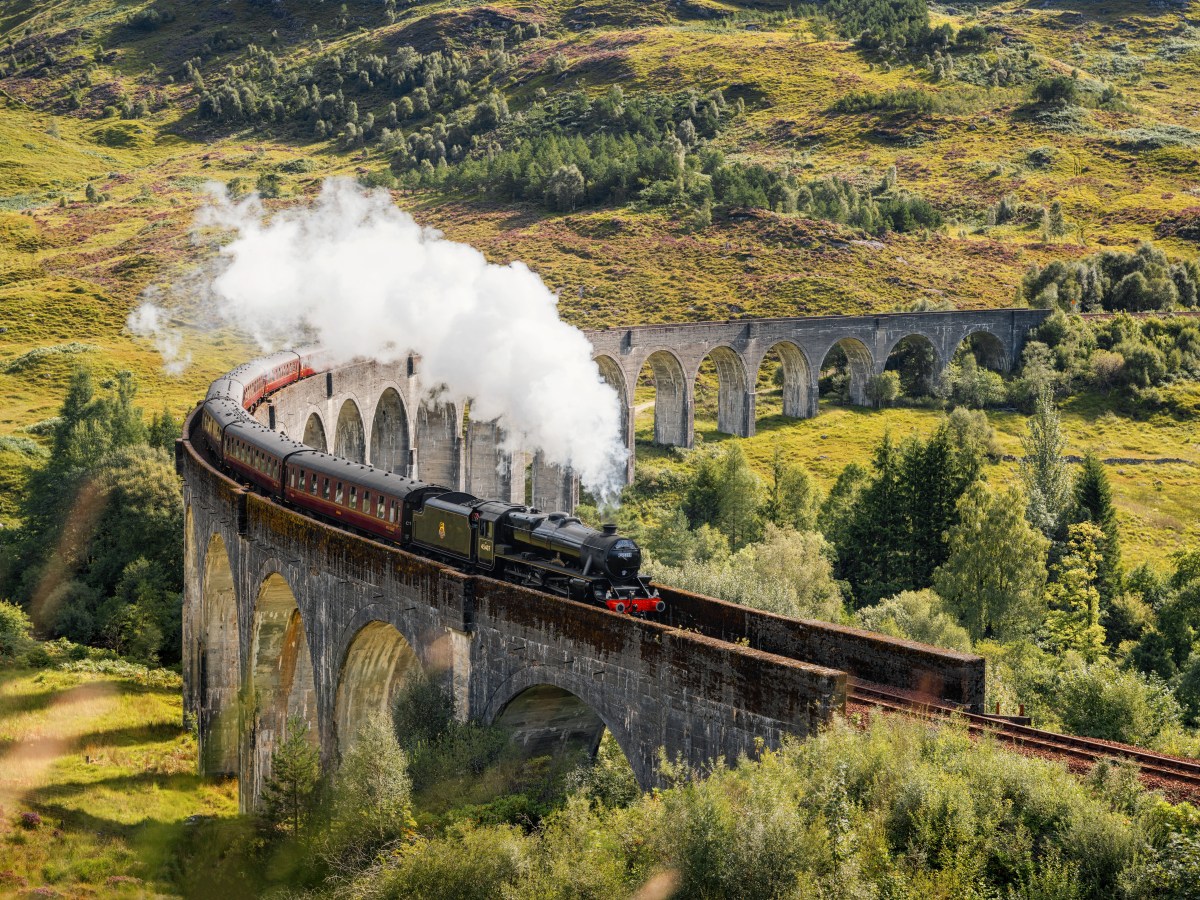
(899, 810)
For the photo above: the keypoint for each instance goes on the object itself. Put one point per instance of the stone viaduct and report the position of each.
(674, 354)
(286, 616)
(379, 414)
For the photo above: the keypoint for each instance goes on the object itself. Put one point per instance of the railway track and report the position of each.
(1178, 777)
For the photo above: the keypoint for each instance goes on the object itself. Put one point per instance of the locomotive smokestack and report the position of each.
(412, 463)
(609, 528)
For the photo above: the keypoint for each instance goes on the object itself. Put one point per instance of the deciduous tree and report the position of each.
(792, 498)
(995, 574)
(1073, 598)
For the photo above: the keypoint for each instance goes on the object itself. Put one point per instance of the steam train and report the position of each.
(552, 552)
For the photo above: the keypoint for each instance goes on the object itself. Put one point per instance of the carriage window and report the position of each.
(326, 488)
(293, 478)
(392, 512)
(380, 507)
(353, 497)
(338, 497)
(367, 502)
(313, 488)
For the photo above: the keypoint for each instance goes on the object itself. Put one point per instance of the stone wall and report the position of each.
(945, 674)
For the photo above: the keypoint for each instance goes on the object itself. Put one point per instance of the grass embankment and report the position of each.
(97, 783)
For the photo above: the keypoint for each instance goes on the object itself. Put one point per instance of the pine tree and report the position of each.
(724, 493)
(1093, 503)
(835, 515)
(289, 790)
(934, 475)
(870, 554)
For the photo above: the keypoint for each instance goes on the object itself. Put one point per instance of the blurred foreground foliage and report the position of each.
(897, 809)
(98, 558)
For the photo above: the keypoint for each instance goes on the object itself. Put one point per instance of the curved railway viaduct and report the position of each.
(377, 414)
(287, 616)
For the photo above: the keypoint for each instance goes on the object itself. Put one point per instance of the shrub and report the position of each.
(1101, 701)
(1170, 872)
(916, 616)
(788, 573)
(609, 780)
(469, 863)
(15, 628)
(1061, 90)
(370, 805)
(883, 389)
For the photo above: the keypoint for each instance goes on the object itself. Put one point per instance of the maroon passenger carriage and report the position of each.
(554, 552)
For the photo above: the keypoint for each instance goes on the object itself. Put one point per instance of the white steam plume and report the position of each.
(363, 279)
(150, 320)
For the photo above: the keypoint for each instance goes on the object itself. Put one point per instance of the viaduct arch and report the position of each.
(290, 622)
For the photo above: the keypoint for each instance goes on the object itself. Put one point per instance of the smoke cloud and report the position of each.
(360, 277)
(150, 320)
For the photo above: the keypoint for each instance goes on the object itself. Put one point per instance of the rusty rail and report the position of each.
(1161, 771)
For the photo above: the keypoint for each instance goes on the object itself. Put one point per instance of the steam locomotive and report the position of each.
(552, 552)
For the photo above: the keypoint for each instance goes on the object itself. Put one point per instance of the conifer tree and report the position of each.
(1044, 471)
(934, 475)
(838, 507)
(1093, 503)
(869, 554)
(724, 493)
(295, 770)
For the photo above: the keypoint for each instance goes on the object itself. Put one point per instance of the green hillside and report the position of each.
(653, 161)
(920, 165)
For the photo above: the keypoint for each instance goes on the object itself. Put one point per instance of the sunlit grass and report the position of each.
(110, 770)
